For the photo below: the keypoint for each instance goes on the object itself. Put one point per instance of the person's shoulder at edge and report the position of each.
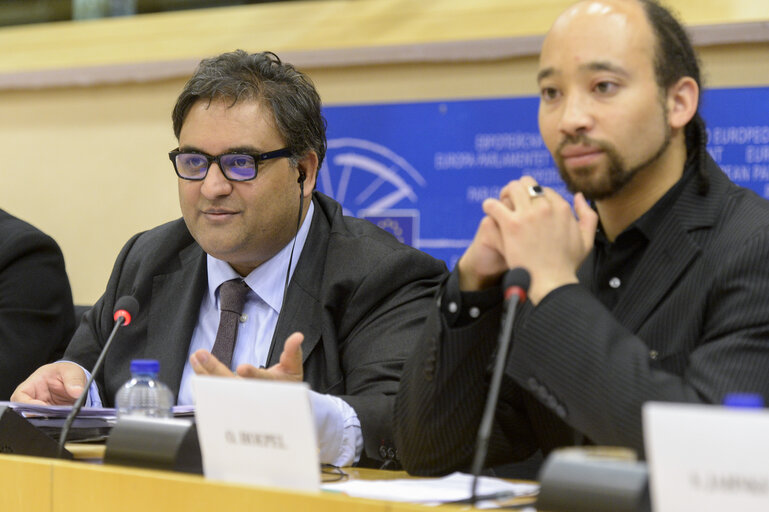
(14, 228)
(740, 205)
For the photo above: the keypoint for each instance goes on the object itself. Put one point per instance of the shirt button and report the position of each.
(614, 282)
(453, 307)
(243, 318)
(653, 354)
(474, 312)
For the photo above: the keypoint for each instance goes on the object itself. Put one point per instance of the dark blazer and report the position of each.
(358, 295)
(692, 325)
(36, 313)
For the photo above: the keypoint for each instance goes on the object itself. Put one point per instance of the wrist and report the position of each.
(542, 286)
(471, 281)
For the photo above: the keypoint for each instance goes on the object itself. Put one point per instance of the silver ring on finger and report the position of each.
(536, 191)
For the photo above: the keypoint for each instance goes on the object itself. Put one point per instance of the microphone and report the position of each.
(515, 283)
(125, 308)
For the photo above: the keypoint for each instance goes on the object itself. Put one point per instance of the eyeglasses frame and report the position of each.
(258, 158)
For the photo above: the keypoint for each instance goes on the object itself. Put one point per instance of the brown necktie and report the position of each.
(232, 296)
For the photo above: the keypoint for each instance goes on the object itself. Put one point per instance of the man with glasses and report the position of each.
(330, 300)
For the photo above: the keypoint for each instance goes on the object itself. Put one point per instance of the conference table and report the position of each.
(35, 484)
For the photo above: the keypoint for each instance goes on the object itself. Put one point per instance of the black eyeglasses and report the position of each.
(330, 473)
(194, 165)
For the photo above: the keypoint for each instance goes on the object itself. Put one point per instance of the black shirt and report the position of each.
(614, 263)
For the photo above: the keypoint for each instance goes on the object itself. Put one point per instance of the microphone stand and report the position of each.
(516, 283)
(122, 317)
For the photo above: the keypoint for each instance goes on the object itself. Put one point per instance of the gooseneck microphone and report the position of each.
(125, 308)
(515, 285)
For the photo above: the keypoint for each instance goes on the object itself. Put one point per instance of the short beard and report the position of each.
(618, 174)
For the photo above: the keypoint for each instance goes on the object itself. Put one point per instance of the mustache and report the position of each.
(581, 139)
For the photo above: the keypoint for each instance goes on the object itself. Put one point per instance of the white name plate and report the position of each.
(706, 457)
(257, 432)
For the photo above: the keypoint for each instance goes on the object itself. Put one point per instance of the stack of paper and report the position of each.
(435, 491)
(91, 423)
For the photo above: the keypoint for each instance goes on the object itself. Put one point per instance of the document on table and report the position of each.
(62, 411)
(433, 491)
(91, 423)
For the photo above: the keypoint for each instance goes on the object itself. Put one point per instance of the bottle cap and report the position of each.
(744, 400)
(145, 366)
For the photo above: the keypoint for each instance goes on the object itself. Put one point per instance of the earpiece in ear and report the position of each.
(300, 180)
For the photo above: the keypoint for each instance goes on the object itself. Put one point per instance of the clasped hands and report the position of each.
(538, 232)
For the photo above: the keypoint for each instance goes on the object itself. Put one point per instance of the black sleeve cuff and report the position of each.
(463, 308)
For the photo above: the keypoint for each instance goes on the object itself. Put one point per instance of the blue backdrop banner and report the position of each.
(422, 170)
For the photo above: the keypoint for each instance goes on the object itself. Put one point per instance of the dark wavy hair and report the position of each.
(675, 58)
(240, 76)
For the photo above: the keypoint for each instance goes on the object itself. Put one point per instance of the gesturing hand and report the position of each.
(289, 368)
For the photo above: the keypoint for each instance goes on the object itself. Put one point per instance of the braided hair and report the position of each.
(675, 58)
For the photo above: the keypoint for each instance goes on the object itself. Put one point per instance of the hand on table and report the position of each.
(58, 383)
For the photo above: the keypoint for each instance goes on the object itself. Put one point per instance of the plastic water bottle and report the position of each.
(744, 400)
(144, 394)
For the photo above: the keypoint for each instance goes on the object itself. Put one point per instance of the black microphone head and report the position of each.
(519, 277)
(126, 307)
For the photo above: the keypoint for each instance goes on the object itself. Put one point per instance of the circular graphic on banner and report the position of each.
(374, 183)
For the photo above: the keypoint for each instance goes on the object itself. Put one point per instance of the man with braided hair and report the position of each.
(659, 291)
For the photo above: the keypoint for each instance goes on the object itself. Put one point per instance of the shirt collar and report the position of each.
(648, 223)
(652, 219)
(268, 279)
